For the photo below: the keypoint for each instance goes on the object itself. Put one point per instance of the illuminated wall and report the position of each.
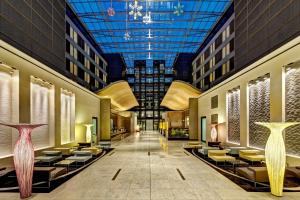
(233, 109)
(42, 112)
(292, 108)
(259, 110)
(67, 116)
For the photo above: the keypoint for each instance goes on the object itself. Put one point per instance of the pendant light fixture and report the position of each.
(178, 10)
(147, 18)
(126, 35)
(111, 11)
(135, 10)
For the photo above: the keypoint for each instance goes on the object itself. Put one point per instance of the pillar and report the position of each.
(193, 119)
(105, 119)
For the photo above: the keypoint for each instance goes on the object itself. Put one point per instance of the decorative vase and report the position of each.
(24, 157)
(275, 155)
(88, 133)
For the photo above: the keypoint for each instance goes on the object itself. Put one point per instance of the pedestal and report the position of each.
(275, 155)
(24, 157)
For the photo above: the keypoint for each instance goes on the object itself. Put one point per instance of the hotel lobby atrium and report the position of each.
(149, 99)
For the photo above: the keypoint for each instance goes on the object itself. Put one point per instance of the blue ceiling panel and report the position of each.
(163, 39)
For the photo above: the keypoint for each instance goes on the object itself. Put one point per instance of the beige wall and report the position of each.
(273, 64)
(87, 103)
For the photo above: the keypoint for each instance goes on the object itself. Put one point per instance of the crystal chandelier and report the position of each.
(147, 18)
(178, 10)
(111, 11)
(135, 9)
(126, 35)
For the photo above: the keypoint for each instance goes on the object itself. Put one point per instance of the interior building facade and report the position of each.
(144, 99)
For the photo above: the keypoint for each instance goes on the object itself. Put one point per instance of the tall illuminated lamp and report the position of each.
(88, 132)
(24, 157)
(275, 154)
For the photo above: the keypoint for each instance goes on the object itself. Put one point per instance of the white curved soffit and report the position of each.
(121, 95)
(178, 94)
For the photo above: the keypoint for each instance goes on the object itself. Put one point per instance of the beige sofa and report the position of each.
(252, 155)
(220, 156)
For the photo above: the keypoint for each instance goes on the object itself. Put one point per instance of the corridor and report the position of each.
(139, 169)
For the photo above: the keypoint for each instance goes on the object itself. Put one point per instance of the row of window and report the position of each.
(219, 40)
(217, 73)
(77, 71)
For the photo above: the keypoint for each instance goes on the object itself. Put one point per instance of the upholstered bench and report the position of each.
(47, 174)
(255, 174)
(219, 156)
(251, 155)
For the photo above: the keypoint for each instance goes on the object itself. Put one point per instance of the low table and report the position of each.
(238, 163)
(65, 163)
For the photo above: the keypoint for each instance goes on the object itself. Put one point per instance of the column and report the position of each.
(105, 119)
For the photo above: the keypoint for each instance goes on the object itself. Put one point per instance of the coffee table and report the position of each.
(65, 163)
(238, 163)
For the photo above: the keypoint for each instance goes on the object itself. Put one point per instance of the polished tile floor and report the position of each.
(149, 172)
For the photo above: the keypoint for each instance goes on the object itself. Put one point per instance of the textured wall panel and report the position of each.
(40, 115)
(259, 111)
(5, 113)
(233, 107)
(292, 110)
(67, 117)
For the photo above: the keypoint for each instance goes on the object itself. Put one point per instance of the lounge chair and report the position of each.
(204, 150)
(251, 155)
(94, 150)
(234, 151)
(81, 157)
(64, 150)
(255, 174)
(219, 156)
(47, 174)
(49, 157)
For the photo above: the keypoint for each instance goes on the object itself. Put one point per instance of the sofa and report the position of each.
(64, 150)
(251, 155)
(204, 150)
(49, 157)
(47, 174)
(94, 150)
(255, 174)
(220, 156)
(81, 157)
(234, 151)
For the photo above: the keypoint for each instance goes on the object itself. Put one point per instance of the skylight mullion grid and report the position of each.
(166, 29)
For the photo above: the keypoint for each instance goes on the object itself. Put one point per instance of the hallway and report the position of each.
(143, 175)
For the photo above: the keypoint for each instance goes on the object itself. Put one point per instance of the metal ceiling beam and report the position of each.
(114, 1)
(153, 30)
(88, 14)
(153, 42)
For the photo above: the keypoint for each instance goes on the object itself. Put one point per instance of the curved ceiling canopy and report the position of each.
(178, 94)
(121, 95)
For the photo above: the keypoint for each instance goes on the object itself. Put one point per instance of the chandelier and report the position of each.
(111, 11)
(135, 10)
(126, 35)
(147, 18)
(178, 10)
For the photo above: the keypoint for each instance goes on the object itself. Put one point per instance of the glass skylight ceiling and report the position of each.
(167, 35)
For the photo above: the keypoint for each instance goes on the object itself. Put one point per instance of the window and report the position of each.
(226, 50)
(80, 57)
(86, 63)
(231, 44)
(81, 73)
(100, 74)
(92, 54)
(231, 26)
(80, 42)
(231, 64)
(86, 77)
(218, 57)
(218, 72)
(218, 41)
(68, 46)
(206, 81)
(68, 63)
(68, 28)
(92, 67)
(206, 53)
(100, 63)
(206, 67)
(87, 48)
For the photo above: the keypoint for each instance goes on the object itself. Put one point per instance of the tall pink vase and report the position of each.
(24, 157)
